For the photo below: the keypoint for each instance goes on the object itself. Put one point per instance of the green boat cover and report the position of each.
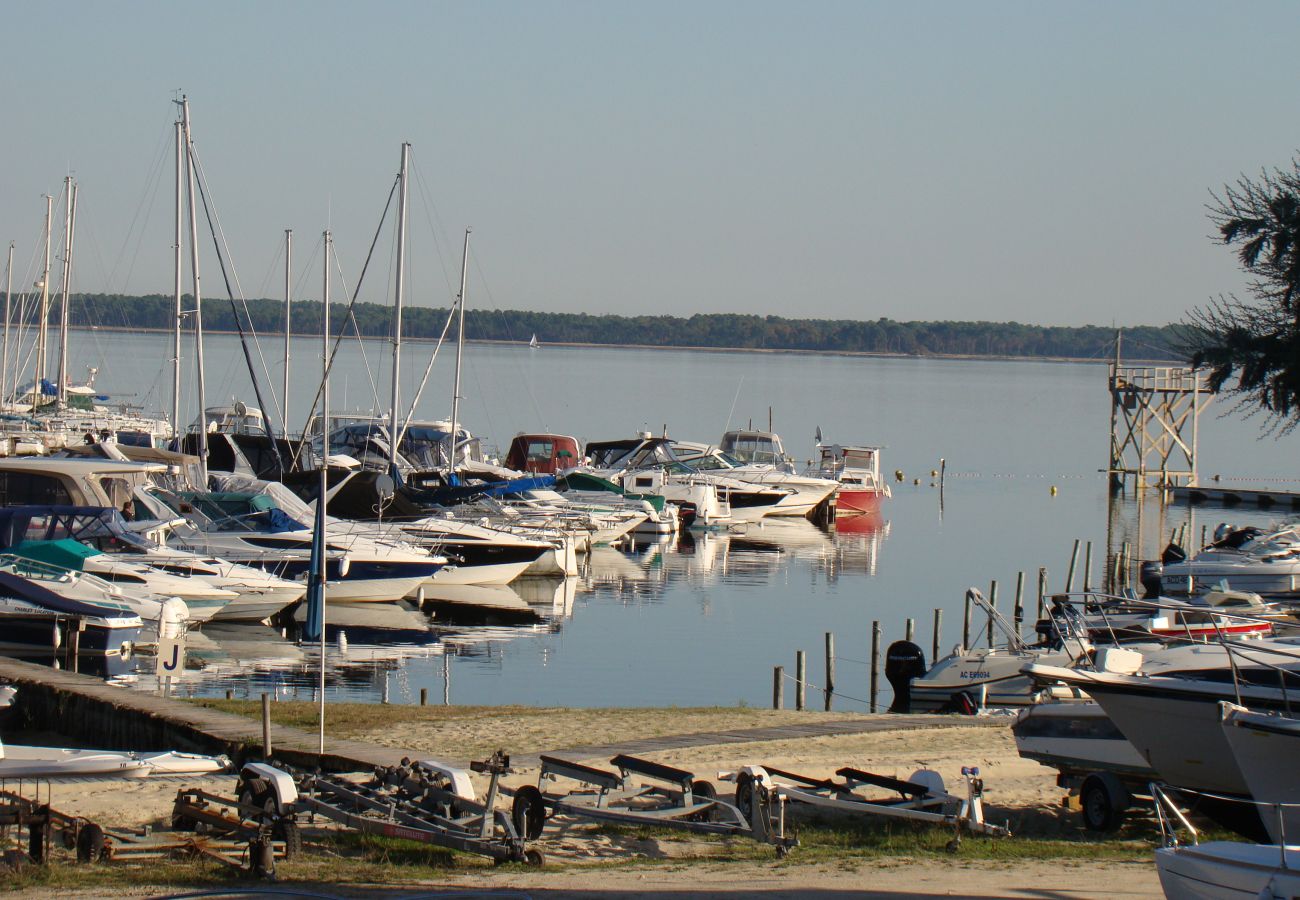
(585, 481)
(64, 553)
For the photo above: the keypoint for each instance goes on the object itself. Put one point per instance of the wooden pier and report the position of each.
(99, 714)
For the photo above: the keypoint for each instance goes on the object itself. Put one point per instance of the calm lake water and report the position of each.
(703, 621)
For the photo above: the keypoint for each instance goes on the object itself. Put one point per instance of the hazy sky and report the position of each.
(1043, 162)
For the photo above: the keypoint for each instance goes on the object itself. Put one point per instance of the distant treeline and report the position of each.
(711, 331)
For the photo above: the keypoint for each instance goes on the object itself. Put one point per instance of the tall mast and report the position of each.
(198, 295)
(179, 314)
(9, 289)
(460, 350)
(288, 269)
(70, 202)
(397, 315)
(324, 472)
(42, 334)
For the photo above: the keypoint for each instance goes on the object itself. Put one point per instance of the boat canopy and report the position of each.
(64, 553)
(542, 453)
(229, 511)
(101, 527)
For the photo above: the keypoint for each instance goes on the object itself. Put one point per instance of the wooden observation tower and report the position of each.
(1154, 417)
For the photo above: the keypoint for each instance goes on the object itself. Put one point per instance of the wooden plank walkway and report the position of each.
(91, 710)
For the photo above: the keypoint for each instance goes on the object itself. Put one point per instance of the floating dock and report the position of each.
(1218, 495)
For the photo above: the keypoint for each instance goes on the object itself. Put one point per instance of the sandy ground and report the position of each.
(1019, 792)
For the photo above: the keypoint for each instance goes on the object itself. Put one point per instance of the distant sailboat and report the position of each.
(532, 343)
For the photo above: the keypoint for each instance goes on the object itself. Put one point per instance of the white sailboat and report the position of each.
(532, 343)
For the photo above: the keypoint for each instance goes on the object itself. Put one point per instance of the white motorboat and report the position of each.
(1076, 737)
(857, 470)
(1262, 561)
(1266, 747)
(807, 492)
(1228, 870)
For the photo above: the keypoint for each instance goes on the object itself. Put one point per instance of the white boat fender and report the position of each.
(459, 780)
(278, 781)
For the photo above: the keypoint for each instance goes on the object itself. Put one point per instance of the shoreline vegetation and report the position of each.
(717, 333)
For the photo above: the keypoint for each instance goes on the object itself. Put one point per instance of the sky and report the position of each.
(1047, 163)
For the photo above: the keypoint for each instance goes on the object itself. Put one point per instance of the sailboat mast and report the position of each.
(288, 270)
(42, 334)
(70, 198)
(324, 472)
(460, 350)
(9, 290)
(397, 314)
(198, 295)
(179, 314)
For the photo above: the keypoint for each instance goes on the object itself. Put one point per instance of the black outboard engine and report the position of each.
(1150, 574)
(904, 661)
(1173, 554)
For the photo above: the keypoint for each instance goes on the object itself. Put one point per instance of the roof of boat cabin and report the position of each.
(79, 467)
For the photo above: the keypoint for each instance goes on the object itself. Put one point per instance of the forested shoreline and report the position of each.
(709, 331)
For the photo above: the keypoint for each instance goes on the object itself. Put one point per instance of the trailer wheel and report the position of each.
(703, 791)
(1103, 802)
(287, 830)
(745, 795)
(528, 813)
(90, 843)
(534, 858)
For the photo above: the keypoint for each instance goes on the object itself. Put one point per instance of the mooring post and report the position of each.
(938, 630)
(1202, 547)
(1018, 611)
(424, 696)
(1074, 561)
(1087, 567)
(1042, 590)
(830, 668)
(800, 678)
(778, 687)
(230, 695)
(993, 605)
(266, 726)
(965, 625)
(875, 663)
(1128, 564)
(910, 630)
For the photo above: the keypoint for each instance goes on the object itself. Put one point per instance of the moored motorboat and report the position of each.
(857, 470)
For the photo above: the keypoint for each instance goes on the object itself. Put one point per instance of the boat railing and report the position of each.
(1107, 605)
(1170, 817)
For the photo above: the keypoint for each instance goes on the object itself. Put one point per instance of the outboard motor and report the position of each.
(1173, 554)
(1149, 576)
(904, 661)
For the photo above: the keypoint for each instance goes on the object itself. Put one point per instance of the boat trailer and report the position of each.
(427, 802)
(673, 798)
(921, 798)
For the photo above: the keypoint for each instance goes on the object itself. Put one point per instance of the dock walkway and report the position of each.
(90, 710)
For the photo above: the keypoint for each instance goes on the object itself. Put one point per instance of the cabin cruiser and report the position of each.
(647, 464)
(1262, 561)
(252, 530)
(255, 595)
(807, 492)
(1124, 619)
(857, 470)
(35, 619)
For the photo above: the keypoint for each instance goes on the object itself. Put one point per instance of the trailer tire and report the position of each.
(90, 843)
(534, 858)
(745, 795)
(704, 791)
(287, 830)
(528, 813)
(1103, 802)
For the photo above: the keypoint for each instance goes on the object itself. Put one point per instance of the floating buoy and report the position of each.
(934, 473)
(898, 474)
(916, 481)
(1053, 490)
(1215, 477)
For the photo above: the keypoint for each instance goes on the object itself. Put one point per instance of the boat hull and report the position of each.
(1223, 869)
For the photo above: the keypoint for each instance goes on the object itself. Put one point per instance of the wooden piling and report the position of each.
(1202, 547)
(266, 726)
(1018, 611)
(800, 679)
(875, 663)
(1042, 591)
(424, 696)
(778, 687)
(1087, 567)
(1126, 577)
(830, 669)
(230, 695)
(909, 630)
(1074, 562)
(938, 630)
